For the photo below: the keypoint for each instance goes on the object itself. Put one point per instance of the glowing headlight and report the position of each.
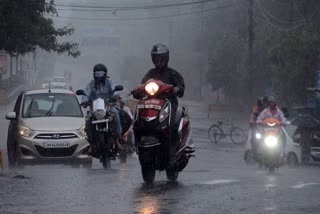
(164, 114)
(258, 136)
(25, 131)
(151, 88)
(271, 141)
(271, 124)
(82, 131)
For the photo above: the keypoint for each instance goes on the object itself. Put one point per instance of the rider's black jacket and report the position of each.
(168, 76)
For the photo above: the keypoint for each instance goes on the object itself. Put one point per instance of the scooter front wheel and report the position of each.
(148, 174)
(172, 174)
(104, 158)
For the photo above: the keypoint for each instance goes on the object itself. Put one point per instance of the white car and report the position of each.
(45, 82)
(59, 82)
(47, 126)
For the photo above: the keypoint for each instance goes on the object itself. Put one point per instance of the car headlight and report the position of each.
(164, 114)
(82, 131)
(151, 88)
(25, 131)
(258, 136)
(271, 141)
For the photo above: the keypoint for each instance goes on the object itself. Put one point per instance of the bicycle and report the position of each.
(216, 133)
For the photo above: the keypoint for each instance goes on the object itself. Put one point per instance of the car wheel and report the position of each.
(12, 152)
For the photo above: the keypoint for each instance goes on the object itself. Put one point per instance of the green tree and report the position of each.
(23, 28)
(295, 61)
(227, 68)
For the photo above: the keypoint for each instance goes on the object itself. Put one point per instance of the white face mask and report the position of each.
(99, 74)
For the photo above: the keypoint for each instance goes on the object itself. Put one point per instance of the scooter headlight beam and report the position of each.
(151, 88)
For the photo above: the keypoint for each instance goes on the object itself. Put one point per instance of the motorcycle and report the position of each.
(102, 128)
(271, 146)
(153, 131)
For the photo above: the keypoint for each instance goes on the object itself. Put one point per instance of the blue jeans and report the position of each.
(116, 120)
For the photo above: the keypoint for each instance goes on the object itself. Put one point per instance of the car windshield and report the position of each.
(51, 105)
(46, 81)
(58, 79)
(291, 129)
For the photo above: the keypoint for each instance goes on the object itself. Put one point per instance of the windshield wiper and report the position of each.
(29, 108)
(49, 113)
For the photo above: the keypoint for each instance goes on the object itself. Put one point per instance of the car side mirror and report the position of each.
(80, 92)
(11, 116)
(118, 88)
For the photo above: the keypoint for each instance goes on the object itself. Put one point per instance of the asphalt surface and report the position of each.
(215, 181)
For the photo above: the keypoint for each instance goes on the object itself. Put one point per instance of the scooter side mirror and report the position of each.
(118, 88)
(80, 92)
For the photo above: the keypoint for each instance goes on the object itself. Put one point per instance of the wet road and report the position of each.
(215, 181)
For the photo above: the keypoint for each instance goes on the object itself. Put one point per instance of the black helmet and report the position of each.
(100, 67)
(260, 101)
(100, 72)
(160, 50)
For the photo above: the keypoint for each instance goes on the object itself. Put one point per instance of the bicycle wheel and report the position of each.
(237, 135)
(215, 133)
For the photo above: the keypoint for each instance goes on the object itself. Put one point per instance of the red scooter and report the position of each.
(153, 130)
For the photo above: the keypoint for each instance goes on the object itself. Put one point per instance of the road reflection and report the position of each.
(270, 201)
(160, 197)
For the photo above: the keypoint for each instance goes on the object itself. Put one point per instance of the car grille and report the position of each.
(56, 152)
(56, 136)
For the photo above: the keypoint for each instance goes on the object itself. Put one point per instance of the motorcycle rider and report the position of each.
(127, 135)
(273, 111)
(101, 86)
(262, 103)
(161, 71)
(122, 105)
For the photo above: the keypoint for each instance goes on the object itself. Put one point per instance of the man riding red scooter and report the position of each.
(162, 129)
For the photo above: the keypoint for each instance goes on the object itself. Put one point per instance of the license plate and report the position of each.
(56, 144)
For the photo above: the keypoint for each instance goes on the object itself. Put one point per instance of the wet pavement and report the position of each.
(215, 181)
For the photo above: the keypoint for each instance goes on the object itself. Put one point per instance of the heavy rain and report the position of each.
(159, 106)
